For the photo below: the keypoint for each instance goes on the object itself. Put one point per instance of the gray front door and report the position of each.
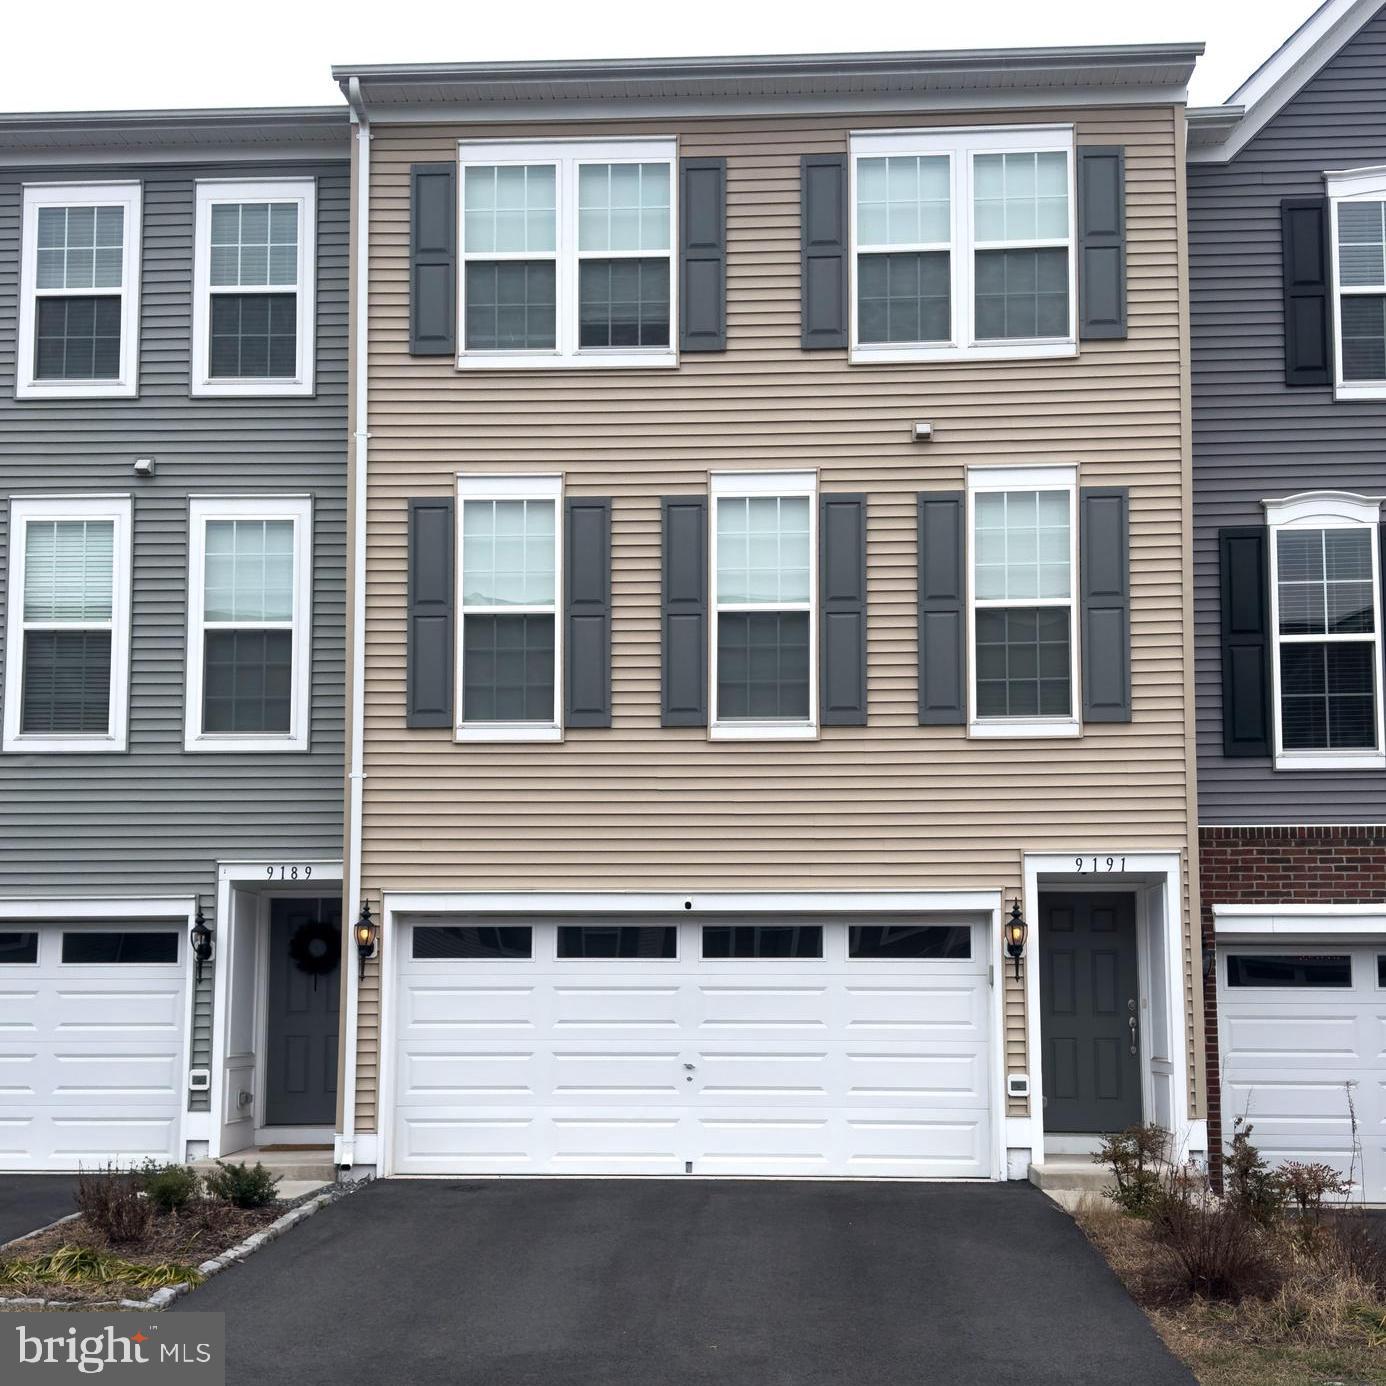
(1089, 1011)
(301, 1034)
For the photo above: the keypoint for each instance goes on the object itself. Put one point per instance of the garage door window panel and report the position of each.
(132, 946)
(628, 941)
(1285, 970)
(509, 653)
(762, 941)
(881, 941)
(1326, 613)
(18, 948)
(764, 576)
(480, 942)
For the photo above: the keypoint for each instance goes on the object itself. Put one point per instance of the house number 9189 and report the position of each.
(288, 873)
(1099, 864)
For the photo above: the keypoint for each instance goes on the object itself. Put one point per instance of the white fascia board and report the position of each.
(1285, 73)
(696, 902)
(98, 907)
(1304, 922)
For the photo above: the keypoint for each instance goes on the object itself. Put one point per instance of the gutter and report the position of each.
(344, 1155)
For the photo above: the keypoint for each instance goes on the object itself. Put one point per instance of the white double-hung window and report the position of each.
(79, 295)
(1326, 621)
(1022, 613)
(253, 287)
(249, 623)
(67, 666)
(764, 617)
(963, 244)
(1358, 200)
(567, 253)
(509, 581)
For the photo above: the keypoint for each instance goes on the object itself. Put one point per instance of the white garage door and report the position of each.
(1300, 1027)
(730, 1047)
(92, 1047)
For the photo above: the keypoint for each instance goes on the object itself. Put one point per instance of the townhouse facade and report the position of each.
(173, 378)
(1287, 191)
(771, 727)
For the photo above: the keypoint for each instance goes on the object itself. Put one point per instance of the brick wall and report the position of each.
(1279, 865)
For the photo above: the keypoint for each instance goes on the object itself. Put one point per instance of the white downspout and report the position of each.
(346, 1141)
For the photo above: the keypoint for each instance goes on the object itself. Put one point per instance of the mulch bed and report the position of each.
(197, 1234)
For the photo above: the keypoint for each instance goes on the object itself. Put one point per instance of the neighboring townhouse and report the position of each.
(772, 529)
(173, 384)
(1287, 237)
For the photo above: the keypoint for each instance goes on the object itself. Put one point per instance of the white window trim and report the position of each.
(737, 486)
(1351, 185)
(962, 145)
(1326, 510)
(566, 156)
(299, 509)
(24, 510)
(127, 196)
(982, 480)
(475, 487)
(301, 191)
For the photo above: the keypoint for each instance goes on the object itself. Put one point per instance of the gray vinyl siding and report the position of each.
(155, 820)
(1254, 438)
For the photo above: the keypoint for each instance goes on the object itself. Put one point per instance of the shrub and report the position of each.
(1356, 1242)
(244, 1186)
(113, 1204)
(1135, 1156)
(169, 1188)
(1216, 1250)
(1255, 1189)
(85, 1265)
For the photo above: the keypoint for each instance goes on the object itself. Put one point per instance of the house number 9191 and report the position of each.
(288, 873)
(1099, 864)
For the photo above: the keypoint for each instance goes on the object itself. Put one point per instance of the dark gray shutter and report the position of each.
(587, 599)
(823, 233)
(428, 667)
(1246, 643)
(942, 598)
(1101, 242)
(683, 671)
(842, 624)
(702, 254)
(433, 259)
(1105, 572)
(1304, 253)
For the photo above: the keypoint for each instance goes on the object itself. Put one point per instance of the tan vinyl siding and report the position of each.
(889, 806)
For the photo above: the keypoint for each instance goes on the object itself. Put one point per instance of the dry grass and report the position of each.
(1323, 1324)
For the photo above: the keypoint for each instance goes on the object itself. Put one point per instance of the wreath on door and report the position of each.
(316, 948)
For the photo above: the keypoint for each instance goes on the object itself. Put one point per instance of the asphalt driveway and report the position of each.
(625, 1283)
(31, 1201)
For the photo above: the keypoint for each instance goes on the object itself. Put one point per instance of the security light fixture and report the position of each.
(366, 933)
(201, 941)
(1016, 929)
(144, 466)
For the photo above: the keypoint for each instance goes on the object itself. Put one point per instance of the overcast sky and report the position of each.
(95, 55)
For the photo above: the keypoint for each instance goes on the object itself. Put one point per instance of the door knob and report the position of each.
(1132, 1023)
(689, 1067)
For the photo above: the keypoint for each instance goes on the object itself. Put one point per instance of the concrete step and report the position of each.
(1070, 1173)
(294, 1167)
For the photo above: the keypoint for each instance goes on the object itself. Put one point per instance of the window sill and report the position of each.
(497, 733)
(1330, 760)
(222, 745)
(63, 745)
(615, 360)
(1026, 727)
(986, 351)
(76, 389)
(251, 389)
(762, 731)
(1360, 390)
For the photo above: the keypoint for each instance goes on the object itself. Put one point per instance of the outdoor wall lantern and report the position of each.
(1016, 929)
(201, 941)
(366, 932)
